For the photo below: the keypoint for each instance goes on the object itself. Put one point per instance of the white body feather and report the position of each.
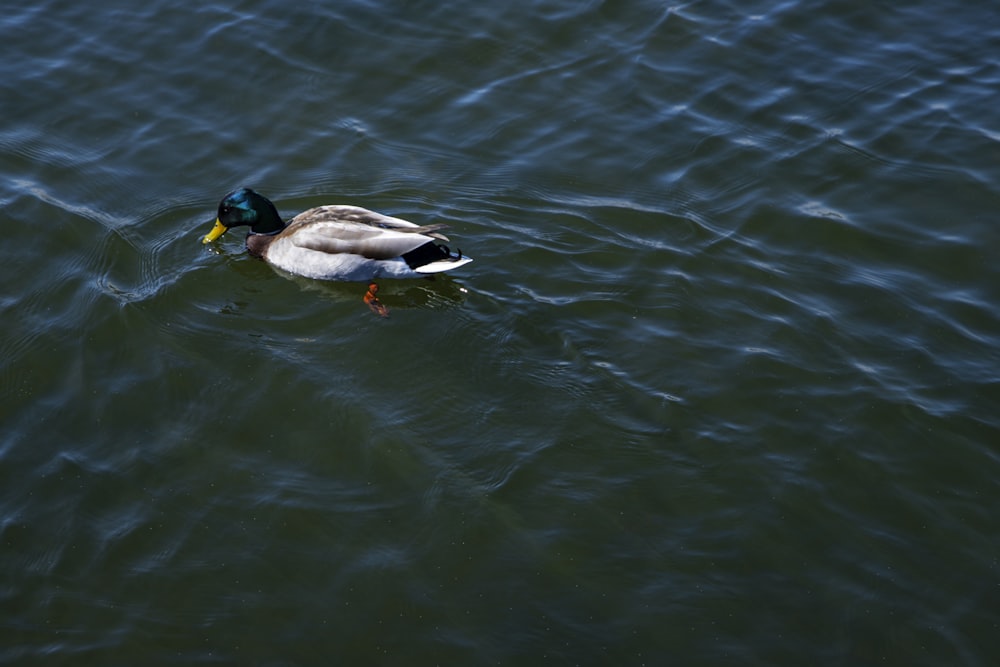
(353, 243)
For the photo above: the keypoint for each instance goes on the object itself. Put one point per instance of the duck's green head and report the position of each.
(245, 207)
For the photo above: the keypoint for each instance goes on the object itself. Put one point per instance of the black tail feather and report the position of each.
(425, 254)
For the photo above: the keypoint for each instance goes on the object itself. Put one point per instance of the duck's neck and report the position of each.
(267, 225)
(268, 221)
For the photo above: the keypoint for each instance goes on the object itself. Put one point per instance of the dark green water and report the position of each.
(721, 387)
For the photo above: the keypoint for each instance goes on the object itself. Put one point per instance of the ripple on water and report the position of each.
(729, 337)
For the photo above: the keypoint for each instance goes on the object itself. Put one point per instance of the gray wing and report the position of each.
(362, 216)
(339, 237)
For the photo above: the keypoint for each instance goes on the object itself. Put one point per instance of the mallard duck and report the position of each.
(336, 242)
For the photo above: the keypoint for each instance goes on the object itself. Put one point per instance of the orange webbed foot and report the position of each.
(371, 298)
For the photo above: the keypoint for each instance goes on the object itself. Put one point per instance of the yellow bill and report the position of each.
(216, 232)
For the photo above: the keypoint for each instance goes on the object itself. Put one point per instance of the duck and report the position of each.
(337, 241)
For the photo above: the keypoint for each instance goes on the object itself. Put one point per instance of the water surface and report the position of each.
(721, 386)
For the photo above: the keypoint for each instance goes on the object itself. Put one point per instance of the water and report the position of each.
(720, 388)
